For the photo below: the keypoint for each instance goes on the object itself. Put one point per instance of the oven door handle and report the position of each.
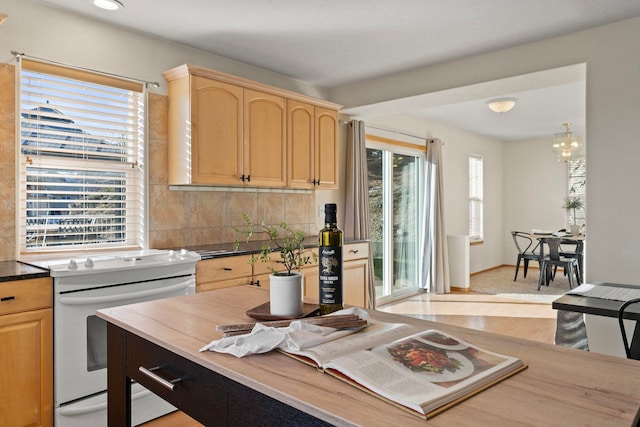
(73, 410)
(69, 300)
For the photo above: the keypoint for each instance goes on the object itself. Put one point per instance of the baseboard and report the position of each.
(531, 267)
(493, 268)
(457, 289)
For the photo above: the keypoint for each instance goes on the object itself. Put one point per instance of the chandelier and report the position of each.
(566, 145)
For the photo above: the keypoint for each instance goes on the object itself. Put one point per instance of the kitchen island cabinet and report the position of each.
(229, 131)
(26, 352)
(561, 386)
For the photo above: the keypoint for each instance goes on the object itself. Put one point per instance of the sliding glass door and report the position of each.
(395, 203)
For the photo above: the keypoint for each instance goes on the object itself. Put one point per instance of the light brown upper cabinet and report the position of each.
(312, 144)
(229, 131)
(265, 140)
(326, 148)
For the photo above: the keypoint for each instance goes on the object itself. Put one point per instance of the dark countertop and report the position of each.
(14, 270)
(221, 250)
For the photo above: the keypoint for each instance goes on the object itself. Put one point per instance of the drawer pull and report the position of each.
(228, 269)
(354, 251)
(9, 298)
(171, 385)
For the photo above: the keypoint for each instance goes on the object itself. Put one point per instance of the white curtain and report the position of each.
(435, 265)
(356, 224)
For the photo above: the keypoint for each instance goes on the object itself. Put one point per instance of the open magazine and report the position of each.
(424, 372)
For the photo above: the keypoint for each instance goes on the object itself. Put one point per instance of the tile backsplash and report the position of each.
(7, 162)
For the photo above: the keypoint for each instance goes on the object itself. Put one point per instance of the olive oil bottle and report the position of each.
(330, 266)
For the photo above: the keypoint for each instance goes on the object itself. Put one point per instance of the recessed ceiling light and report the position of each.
(108, 4)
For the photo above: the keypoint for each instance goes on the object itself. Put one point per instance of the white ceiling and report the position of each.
(336, 42)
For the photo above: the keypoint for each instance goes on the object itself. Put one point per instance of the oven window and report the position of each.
(96, 343)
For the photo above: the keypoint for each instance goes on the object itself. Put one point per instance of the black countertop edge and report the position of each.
(16, 270)
(222, 250)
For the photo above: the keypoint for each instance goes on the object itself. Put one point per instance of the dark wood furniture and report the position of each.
(603, 307)
(561, 385)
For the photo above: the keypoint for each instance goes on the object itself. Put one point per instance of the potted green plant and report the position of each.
(285, 287)
(573, 204)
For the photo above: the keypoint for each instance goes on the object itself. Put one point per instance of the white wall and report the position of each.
(535, 185)
(612, 112)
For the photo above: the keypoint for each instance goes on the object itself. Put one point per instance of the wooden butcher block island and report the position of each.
(561, 386)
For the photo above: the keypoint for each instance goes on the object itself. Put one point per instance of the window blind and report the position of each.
(476, 188)
(82, 160)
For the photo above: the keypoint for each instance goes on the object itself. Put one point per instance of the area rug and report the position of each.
(499, 281)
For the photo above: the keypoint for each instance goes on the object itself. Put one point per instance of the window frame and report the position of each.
(476, 197)
(576, 187)
(126, 169)
(391, 147)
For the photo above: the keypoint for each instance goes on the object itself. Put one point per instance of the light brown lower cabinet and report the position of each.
(26, 353)
(217, 273)
(355, 266)
(234, 271)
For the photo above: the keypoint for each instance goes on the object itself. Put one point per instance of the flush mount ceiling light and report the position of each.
(566, 145)
(501, 105)
(108, 4)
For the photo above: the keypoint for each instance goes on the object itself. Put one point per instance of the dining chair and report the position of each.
(526, 251)
(632, 350)
(570, 248)
(553, 260)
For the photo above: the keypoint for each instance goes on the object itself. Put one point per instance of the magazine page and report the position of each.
(375, 334)
(424, 371)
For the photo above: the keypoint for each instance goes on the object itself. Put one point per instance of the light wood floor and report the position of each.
(534, 321)
(529, 320)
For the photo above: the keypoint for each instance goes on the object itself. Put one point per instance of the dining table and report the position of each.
(566, 238)
(157, 344)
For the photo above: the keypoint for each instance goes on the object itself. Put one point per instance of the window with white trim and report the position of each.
(82, 163)
(577, 188)
(476, 189)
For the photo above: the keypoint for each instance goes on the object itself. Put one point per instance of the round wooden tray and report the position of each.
(263, 312)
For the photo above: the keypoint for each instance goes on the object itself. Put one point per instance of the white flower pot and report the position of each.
(286, 295)
(575, 230)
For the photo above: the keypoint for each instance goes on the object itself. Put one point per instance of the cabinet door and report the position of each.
(217, 149)
(264, 139)
(326, 148)
(26, 363)
(300, 145)
(355, 282)
(223, 272)
(311, 283)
